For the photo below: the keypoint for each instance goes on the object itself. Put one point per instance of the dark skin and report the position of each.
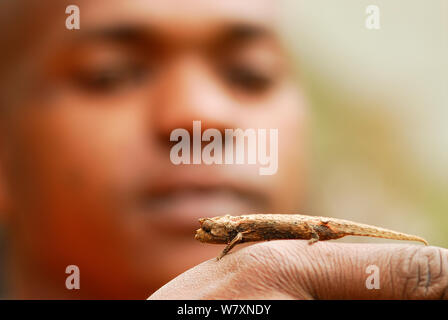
(85, 172)
(292, 269)
(87, 178)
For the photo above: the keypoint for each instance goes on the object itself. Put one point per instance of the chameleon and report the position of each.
(232, 230)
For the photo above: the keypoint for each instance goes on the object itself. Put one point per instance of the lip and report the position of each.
(176, 204)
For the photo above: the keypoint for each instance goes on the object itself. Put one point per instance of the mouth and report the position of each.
(199, 235)
(177, 208)
(198, 201)
(206, 237)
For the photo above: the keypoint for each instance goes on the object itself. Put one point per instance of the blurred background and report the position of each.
(379, 109)
(92, 188)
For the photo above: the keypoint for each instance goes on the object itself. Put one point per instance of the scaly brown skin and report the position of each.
(261, 227)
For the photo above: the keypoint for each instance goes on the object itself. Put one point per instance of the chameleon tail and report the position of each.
(371, 231)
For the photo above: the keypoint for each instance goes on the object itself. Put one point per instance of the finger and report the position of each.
(243, 274)
(295, 270)
(372, 271)
(329, 270)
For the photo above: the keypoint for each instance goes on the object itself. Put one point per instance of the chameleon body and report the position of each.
(232, 230)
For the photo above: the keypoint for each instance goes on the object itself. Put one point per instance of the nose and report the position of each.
(189, 91)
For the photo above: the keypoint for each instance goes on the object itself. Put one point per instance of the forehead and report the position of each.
(43, 21)
(206, 10)
(178, 17)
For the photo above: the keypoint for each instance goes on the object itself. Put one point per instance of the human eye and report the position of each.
(247, 78)
(251, 70)
(111, 77)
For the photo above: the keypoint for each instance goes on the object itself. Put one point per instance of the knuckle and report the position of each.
(295, 268)
(422, 272)
(270, 256)
(277, 266)
(256, 265)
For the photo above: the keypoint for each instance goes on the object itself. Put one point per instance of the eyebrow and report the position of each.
(117, 33)
(234, 33)
(245, 32)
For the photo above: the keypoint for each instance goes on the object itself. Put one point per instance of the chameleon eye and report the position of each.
(206, 226)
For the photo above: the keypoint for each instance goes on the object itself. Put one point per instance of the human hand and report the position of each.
(291, 269)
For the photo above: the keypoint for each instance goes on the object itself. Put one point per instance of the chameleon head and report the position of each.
(212, 231)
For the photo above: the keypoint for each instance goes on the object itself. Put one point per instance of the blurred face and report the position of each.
(87, 176)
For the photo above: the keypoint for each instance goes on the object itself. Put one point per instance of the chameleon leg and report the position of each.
(231, 244)
(314, 236)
